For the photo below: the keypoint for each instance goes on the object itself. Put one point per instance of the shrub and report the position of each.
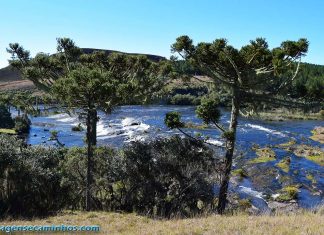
(77, 128)
(321, 113)
(194, 90)
(108, 174)
(5, 118)
(169, 177)
(29, 179)
(173, 120)
(164, 178)
(240, 172)
(288, 193)
(22, 124)
(244, 204)
(186, 99)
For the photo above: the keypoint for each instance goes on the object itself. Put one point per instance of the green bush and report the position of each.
(22, 124)
(186, 99)
(288, 193)
(164, 178)
(321, 113)
(208, 110)
(108, 174)
(5, 118)
(77, 128)
(173, 120)
(29, 179)
(169, 177)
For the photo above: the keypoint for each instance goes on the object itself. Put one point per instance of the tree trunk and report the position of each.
(91, 142)
(230, 143)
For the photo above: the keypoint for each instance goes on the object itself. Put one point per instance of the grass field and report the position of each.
(115, 223)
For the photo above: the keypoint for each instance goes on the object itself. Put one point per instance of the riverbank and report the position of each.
(284, 115)
(303, 222)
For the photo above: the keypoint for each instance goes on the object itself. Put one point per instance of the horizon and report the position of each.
(150, 27)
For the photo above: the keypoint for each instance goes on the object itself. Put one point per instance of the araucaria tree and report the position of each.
(90, 82)
(251, 74)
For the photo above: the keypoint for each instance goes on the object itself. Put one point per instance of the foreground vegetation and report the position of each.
(117, 223)
(163, 178)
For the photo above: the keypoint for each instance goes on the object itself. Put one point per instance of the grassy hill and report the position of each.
(115, 223)
(10, 79)
(9, 74)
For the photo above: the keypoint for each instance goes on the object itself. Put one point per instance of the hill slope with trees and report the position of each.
(10, 78)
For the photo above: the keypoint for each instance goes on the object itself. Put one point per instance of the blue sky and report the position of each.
(151, 26)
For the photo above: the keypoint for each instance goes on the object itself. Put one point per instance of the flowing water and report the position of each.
(131, 123)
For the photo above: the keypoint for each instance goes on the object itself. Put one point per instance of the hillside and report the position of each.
(11, 78)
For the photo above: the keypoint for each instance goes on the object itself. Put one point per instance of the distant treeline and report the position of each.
(308, 85)
(309, 82)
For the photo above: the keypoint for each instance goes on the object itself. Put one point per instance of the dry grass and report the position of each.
(114, 223)
(16, 85)
(282, 114)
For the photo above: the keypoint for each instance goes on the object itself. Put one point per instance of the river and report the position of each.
(130, 123)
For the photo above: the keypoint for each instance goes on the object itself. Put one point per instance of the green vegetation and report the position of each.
(54, 134)
(288, 193)
(187, 99)
(22, 124)
(182, 92)
(90, 82)
(5, 118)
(287, 144)
(173, 120)
(19, 124)
(29, 179)
(77, 128)
(164, 178)
(208, 110)
(7, 131)
(321, 113)
(244, 204)
(248, 75)
(264, 155)
(284, 164)
(240, 172)
(25, 102)
(311, 178)
(309, 82)
(309, 152)
(318, 159)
